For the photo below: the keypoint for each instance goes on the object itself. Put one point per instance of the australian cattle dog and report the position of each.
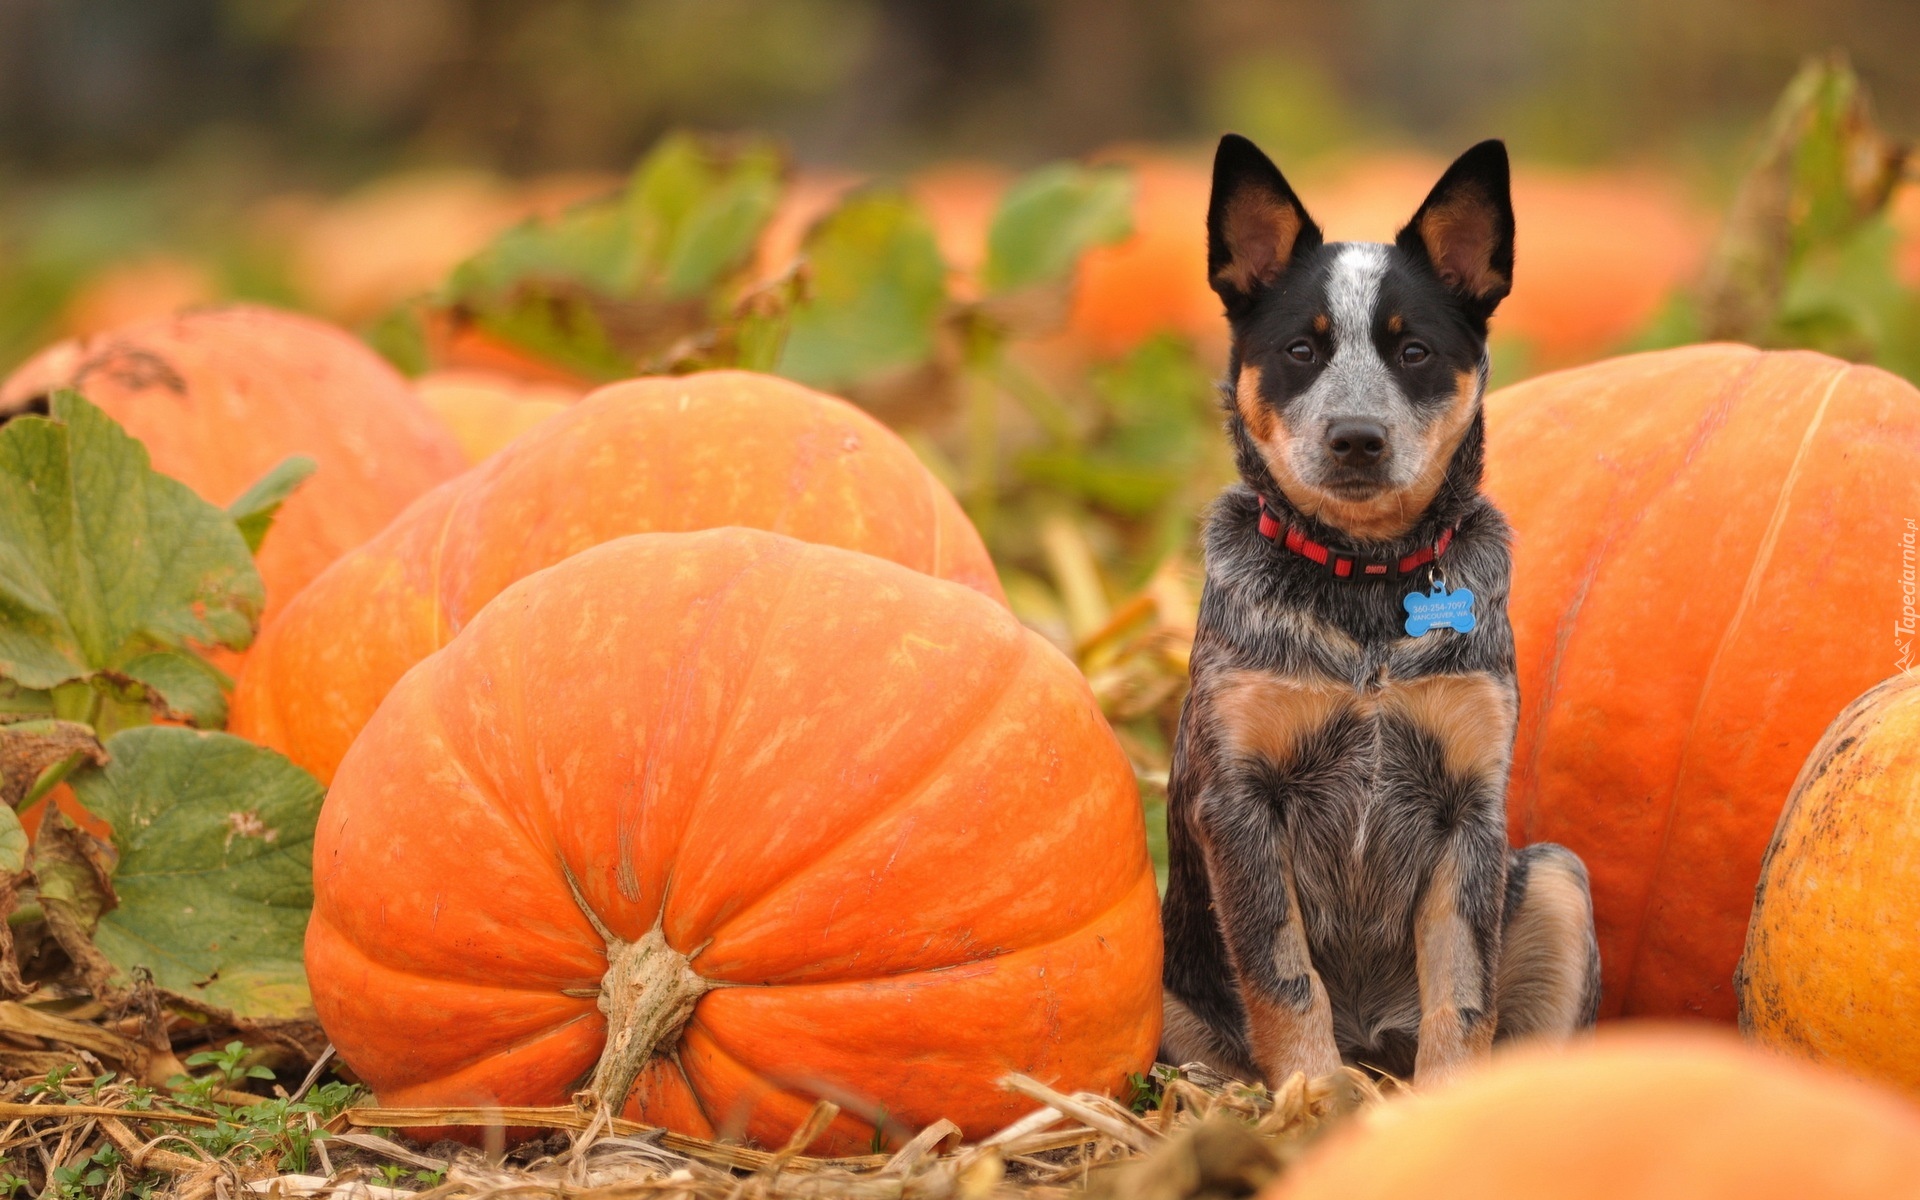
(1340, 886)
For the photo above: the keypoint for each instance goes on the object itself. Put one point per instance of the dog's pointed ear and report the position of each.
(1464, 231)
(1256, 226)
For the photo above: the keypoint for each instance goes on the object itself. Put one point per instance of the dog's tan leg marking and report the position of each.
(1265, 717)
(1456, 1018)
(1186, 1038)
(1293, 1031)
(1471, 716)
(1543, 958)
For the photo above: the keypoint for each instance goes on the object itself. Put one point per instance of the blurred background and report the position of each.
(453, 179)
(202, 139)
(324, 92)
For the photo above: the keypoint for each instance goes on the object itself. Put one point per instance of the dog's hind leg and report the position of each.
(1549, 979)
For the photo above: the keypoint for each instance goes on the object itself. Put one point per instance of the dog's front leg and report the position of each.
(1456, 947)
(1289, 1019)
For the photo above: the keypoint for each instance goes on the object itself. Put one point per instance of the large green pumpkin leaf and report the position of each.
(215, 871)
(102, 558)
(1052, 216)
(877, 289)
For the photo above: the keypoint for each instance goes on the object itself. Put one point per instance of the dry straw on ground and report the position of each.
(1207, 1137)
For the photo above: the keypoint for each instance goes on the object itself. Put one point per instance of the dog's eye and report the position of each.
(1413, 354)
(1301, 351)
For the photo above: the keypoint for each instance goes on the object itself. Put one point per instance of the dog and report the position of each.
(1340, 886)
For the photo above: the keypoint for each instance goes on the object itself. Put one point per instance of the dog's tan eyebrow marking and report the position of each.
(1322, 323)
(1395, 324)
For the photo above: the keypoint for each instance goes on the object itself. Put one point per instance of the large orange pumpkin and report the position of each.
(1832, 968)
(222, 396)
(650, 455)
(1703, 575)
(1648, 1115)
(850, 832)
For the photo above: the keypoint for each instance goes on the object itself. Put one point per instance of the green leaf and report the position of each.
(254, 511)
(400, 336)
(1051, 217)
(103, 558)
(696, 211)
(16, 700)
(13, 842)
(187, 684)
(615, 283)
(215, 872)
(878, 286)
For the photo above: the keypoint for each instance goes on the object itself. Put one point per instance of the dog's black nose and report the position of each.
(1356, 442)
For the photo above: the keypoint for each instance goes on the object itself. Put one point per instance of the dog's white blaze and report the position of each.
(1353, 291)
(1356, 381)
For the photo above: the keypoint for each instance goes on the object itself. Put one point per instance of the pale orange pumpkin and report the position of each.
(650, 455)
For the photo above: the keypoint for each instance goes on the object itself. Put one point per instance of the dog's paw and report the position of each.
(1439, 610)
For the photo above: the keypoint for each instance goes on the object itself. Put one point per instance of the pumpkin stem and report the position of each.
(648, 995)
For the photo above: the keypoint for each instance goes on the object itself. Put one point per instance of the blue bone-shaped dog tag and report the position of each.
(1439, 610)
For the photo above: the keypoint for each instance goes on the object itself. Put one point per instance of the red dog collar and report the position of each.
(1349, 567)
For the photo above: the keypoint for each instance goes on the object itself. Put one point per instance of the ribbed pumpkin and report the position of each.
(221, 396)
(1832, 969)
(1647, 1115)
(850, 832)
(485, 410)
(650, 455)
(1703, 576)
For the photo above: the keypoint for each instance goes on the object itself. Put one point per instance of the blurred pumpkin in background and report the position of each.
(810, 193)
(485, 410)
(960, 199)
(222, 396)
(354, 258)
(1155, 280)
(138, 289)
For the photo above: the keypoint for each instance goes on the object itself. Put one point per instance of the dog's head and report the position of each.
(1358, 366)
